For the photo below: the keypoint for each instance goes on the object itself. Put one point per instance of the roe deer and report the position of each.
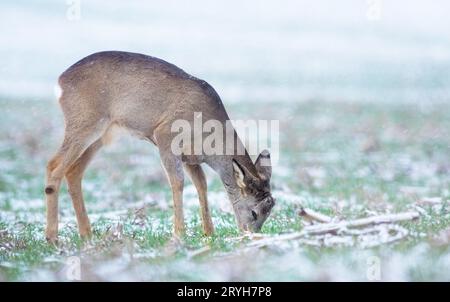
(145, 95)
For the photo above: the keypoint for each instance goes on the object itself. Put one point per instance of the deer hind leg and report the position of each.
(198, 178)
(76, 141)
(52, 198)
(74, 177)
(173, 167)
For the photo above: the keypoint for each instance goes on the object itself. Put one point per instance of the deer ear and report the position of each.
(239, 174)
(264, 165)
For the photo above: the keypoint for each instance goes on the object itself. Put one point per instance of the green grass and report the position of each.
(357, 157)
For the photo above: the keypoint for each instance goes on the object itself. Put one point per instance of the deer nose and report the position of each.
(254, 227)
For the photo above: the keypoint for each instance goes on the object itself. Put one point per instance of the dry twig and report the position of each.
(311, 216)
(369, 232)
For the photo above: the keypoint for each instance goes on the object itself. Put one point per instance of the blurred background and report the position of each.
(290, 50)
(361, 90)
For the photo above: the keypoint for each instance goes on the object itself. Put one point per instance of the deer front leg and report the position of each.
(174, 172)
(199, 180)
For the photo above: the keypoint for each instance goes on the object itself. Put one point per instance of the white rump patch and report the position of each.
(57, 91)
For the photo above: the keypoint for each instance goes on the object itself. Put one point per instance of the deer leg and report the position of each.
(64, 159)
(75, 143)
(52, 198)
(198, 178)
(173, 167)
(74, 176)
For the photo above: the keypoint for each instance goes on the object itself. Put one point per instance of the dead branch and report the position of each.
(249, 236)
(274, 239)
(387, 234)
(369, 232)
(311, 216)
(335, 227)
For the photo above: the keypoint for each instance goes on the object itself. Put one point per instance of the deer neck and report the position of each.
(223, 166)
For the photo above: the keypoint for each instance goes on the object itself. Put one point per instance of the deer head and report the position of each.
(253, 202)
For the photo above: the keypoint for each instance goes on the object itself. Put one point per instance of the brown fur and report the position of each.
(143, 95)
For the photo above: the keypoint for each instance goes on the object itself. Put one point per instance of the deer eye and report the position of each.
(254, 215)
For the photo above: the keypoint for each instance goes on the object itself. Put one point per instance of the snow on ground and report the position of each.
(362, 104)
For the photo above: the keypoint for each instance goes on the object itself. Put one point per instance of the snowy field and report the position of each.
(362, 97)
